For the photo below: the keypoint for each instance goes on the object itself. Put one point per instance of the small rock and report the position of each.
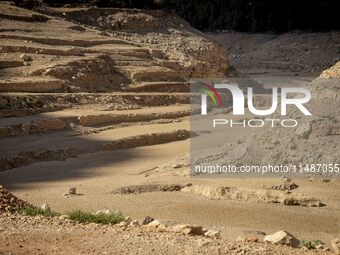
(122, 224)
(156, 224)
(26, 57)
(176, 165)
(147, 220)
(213, 234)
(105, 211)
(240, 239)
(72, 191)
(282, 237)
(45, 207)
(134, 223)
(63, 217)
(188, 229)
(127, 219)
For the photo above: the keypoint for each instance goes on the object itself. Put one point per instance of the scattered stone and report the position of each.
(213, 234)
(63, 217)
(147, 220)
(336, 245)
(105, 211)
(45, 207)
(26, 57)
(287, 184)
(188, 229)
(156, 224)
(303, 201)
(282, 237)
(127, 219)
(134, 223)
(137, 189)
(72, 191)
(240, 239)
(10, 203)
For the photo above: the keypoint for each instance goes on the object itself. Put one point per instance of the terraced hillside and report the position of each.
(68, 87)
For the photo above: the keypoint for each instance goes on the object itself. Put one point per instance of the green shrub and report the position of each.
(310, 245)
(100, 218)
(33, 211)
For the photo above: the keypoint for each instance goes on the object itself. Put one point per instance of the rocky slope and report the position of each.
(9, 203)
(300, 52)
(70, 51)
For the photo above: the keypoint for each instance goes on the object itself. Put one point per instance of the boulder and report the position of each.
(282, 237)
(188, 229)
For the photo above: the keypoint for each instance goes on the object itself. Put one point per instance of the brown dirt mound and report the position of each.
(10, 203)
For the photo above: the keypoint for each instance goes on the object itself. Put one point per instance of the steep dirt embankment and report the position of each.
(74, 50)
(172, 41)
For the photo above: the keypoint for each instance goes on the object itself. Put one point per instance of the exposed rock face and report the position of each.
(9, 202)
(292, 51)
(137, 189)
(207, 191)
(282, 237)
(171, 40)
(278, 194)
(72, 53)
(333, 72)
(188, 229)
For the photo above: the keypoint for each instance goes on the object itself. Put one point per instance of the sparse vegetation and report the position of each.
(310, 245)
(100, 218)
(33, 211)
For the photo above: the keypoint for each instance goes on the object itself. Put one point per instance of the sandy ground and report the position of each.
(59, 237)
(96, 175)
